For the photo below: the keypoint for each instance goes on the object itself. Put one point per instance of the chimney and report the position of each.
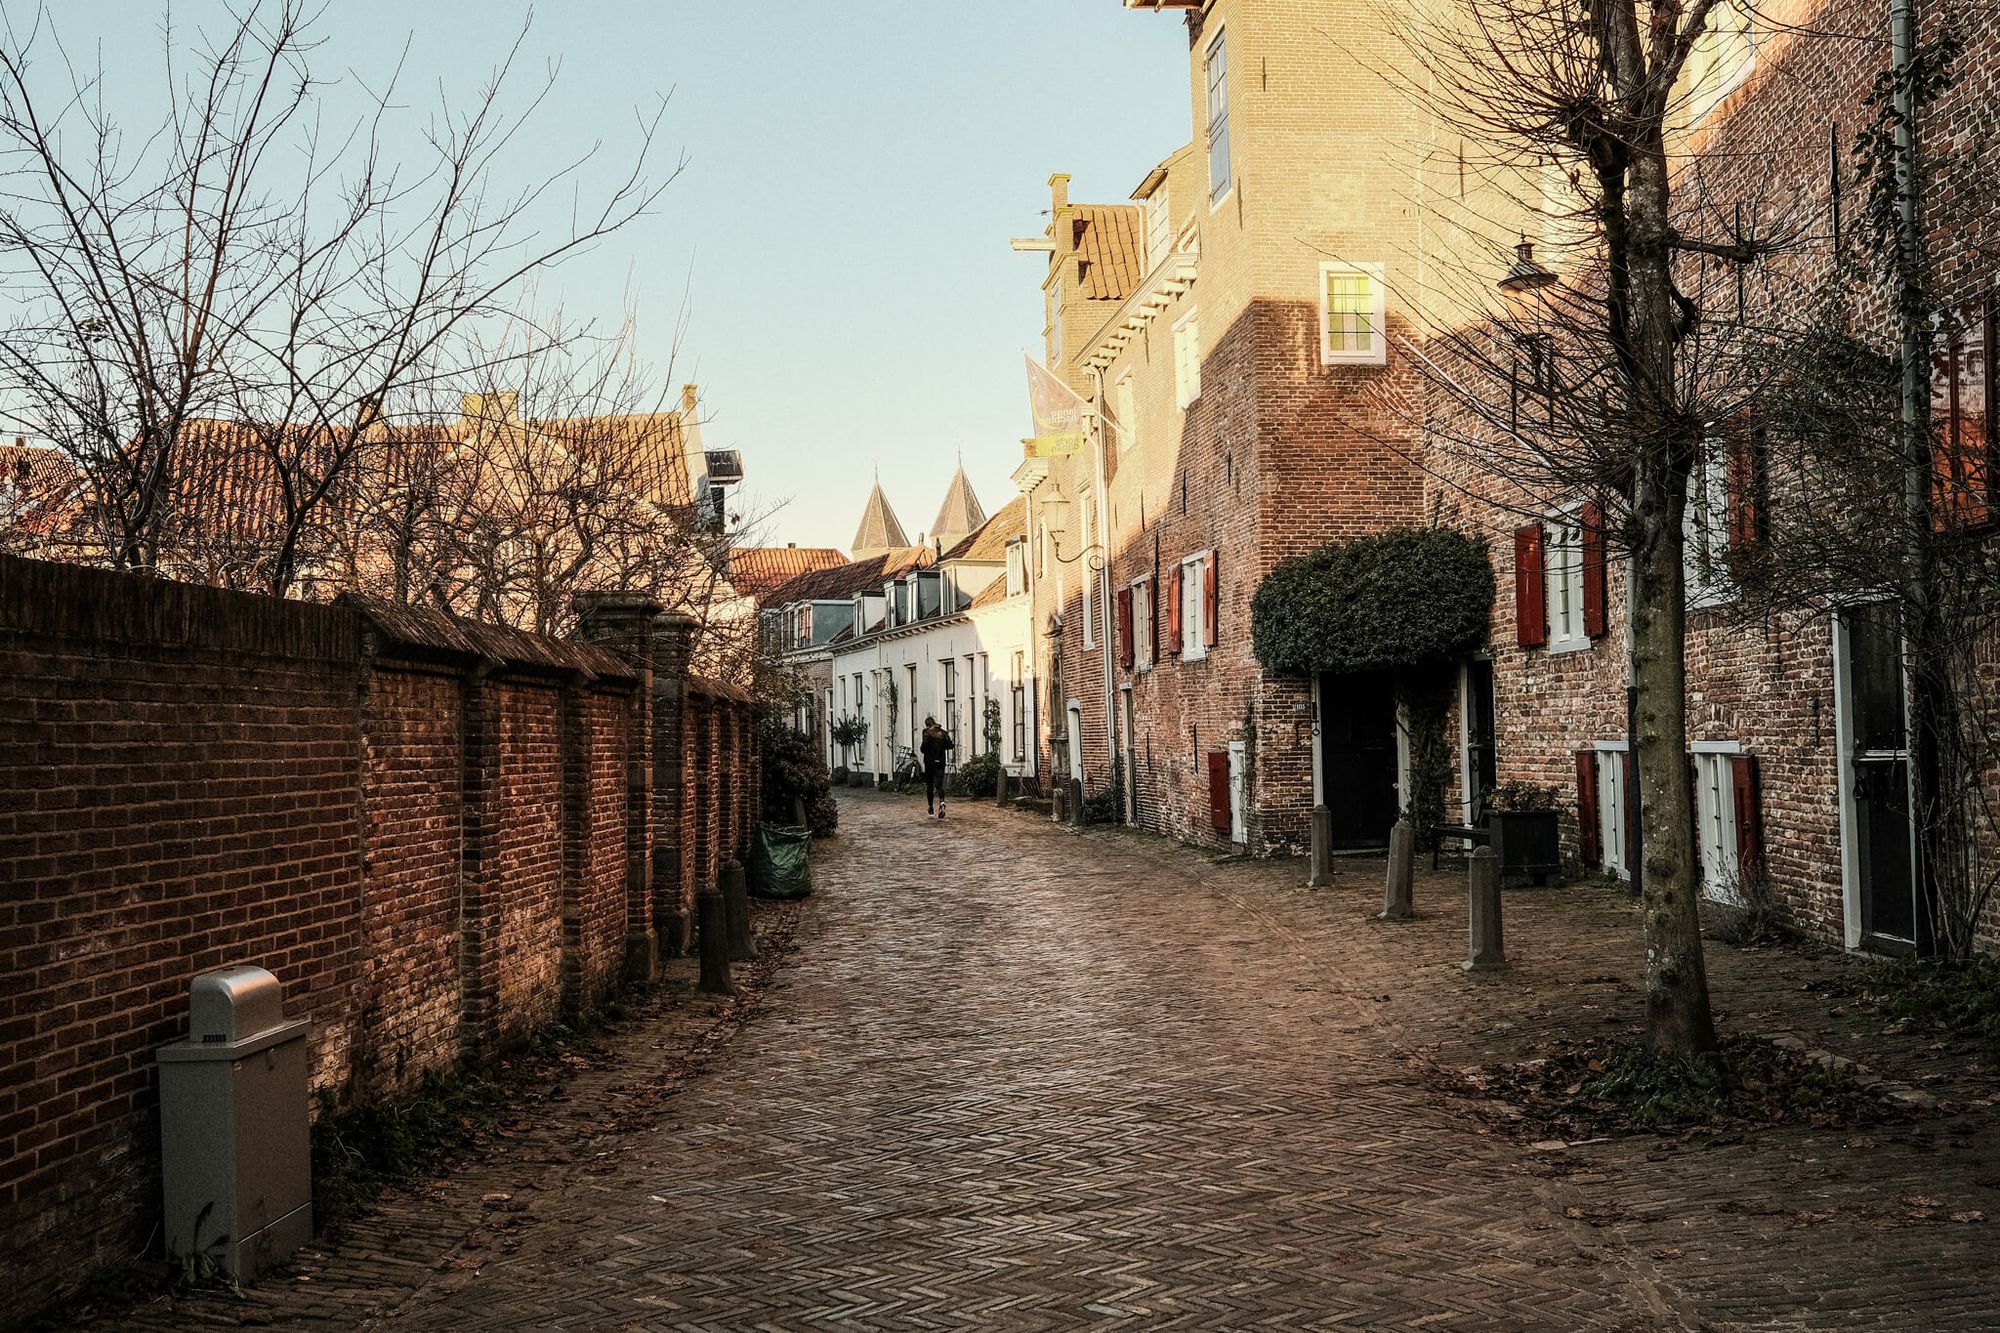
(689, 397)
(1058, 193)
(501, 407)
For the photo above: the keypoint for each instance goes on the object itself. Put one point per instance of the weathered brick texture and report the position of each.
(438, 835)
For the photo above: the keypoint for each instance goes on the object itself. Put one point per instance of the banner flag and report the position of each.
(1058, 412)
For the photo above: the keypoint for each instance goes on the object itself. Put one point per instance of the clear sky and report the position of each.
(854, 171)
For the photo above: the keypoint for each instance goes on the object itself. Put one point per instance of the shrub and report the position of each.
(1404, 598)
(978, 776)
(794, 770)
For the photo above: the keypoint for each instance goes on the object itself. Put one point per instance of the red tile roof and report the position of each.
(1111, 245)
(990, 542)
(757, 570)
(842, 582)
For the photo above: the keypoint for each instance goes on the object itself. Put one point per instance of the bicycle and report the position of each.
(907, 768)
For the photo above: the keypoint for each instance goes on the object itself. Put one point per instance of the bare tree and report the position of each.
(251, 264)
(1622, 386)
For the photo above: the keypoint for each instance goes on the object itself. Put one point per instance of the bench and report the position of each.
(1471, 834)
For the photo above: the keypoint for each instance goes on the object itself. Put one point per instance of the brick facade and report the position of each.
(434, 833)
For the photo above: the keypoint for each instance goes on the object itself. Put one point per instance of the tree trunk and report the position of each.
(1664, 447)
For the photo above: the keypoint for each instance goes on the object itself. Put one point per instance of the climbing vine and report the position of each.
(1425, 695)
(1404, 598)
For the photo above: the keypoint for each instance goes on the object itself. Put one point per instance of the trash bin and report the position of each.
(780, 862)
(235, 1135)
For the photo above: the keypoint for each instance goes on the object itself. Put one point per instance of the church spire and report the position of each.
(879, 532)
(960, 515)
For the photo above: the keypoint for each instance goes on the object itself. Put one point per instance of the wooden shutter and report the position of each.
(1629, 767)
(1174, 611)
(1591, 521)
(1211, 603)
(1126, 648)
(1748, 796)
(1218, 791)
(1744, 480)
(1962, 394)
(1531, 610)
(1589, 848)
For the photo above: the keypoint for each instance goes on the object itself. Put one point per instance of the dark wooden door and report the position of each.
(1481, 756)
(1357, 750)
(1879, 739)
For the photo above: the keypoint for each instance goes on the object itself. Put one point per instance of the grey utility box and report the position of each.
(235, 1140)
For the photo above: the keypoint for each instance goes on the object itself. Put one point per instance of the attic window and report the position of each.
(1082, 269)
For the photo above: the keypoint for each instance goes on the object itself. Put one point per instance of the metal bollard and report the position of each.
(1322, 848)
(1396, 894)
(736, 912)
(1484, 951)
(713, 936)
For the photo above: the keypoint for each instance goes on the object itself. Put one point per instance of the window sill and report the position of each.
(1216, 201)
(1330, 360)
(1558, 647)
(1200, 656)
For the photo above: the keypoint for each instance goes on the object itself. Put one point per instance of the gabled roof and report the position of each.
(990, 542)
(879, 530)
(1111, 250)
(961, 514)
(757, 570)
(842, 582)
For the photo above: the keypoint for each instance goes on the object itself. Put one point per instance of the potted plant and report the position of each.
(848, 733)
(1522, 820)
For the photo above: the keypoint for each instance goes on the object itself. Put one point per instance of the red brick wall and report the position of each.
(423, 827)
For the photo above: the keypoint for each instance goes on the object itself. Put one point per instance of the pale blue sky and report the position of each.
(854, 173)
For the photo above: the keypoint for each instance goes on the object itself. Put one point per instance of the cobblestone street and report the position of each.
(1019, 1078)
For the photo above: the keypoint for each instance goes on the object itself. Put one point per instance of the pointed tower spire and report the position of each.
(879, 532)
(960, 515)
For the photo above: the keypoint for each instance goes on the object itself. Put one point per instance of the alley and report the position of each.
(1018, 1077)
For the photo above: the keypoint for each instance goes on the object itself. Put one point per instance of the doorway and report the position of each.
(1877, 846)
(1481, 759)
(1357, 756)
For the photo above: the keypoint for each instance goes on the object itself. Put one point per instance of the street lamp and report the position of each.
(1526, 275)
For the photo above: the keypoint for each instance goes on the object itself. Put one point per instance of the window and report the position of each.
(1017, 567)
(1142, 623)
(1614, 796)
(1217, 66)
(1020, 692)
(1351, 315)
(1564, 578)
(1715, 824)
(1159, 227)
(1055, 324)
(1706, 549)
(1962, 406)
(1187, 360)
(948, 692)
(1125, 412)
(1198, 607)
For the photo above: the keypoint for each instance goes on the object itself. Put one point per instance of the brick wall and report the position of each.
(439, 836)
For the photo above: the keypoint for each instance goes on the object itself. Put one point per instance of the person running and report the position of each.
(936, 743)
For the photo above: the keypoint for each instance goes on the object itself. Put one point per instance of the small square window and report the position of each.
(1352, 315)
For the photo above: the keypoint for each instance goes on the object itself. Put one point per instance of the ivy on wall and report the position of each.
(1409, 597)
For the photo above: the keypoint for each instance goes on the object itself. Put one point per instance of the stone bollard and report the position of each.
(712, 931)
(1000, 780)
(1484, 951)
(736, 912)
(1396, 896)
(1322, 848)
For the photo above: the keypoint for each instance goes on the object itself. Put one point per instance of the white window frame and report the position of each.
(1562, 574)
(1611, 806)
(1187, 359)
(1142, 623)
(1715, 819)
(1214, 63)
(1017, 566)
(1330, 353)
(1194, 609)
(1705, 547)
(1017, 720)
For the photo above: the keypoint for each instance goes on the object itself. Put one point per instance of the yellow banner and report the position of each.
(1053, 446)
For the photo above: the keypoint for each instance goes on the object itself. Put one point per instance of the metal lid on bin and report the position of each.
(233, 1004)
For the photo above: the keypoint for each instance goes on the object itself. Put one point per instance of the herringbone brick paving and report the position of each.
(1022, 1078)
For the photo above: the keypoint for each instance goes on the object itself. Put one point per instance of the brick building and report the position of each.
(1231, 328)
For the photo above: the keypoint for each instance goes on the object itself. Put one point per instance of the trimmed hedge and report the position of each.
(1408, 597)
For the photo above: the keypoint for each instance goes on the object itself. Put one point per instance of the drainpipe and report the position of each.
(1910, 310)
(1107, 630)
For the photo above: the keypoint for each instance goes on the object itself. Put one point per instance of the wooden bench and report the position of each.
(1471, 834)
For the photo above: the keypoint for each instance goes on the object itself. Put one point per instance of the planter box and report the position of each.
(1526, 844)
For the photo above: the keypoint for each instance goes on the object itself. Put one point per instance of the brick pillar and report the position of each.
(624, 622)
(708, 832)
(479, 855)
(578, 746)
(753, 780)
(673, 900)
(724, 782)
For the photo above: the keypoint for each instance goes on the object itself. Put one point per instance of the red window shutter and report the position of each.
(1743, 441)
(1174, 612)
(1531, 610)
(1592, 528)
(1749, 800)
(1629, 765)
(1211, 603)
(1587, 830)
(1126, 647)
(1218, 791)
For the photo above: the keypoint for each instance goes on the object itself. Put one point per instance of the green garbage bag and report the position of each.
(780, 863)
